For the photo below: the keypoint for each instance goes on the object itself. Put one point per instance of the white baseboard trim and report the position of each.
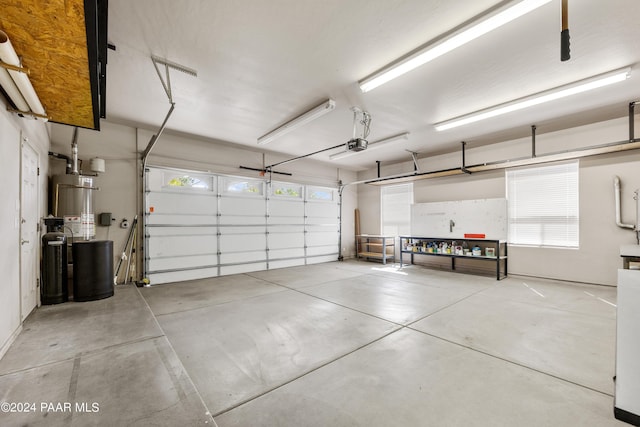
(10, 341)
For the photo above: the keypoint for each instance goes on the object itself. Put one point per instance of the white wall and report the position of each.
(121, 185)
(597, 259)
(12, 130)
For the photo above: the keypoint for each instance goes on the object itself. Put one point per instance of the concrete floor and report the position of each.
(341, 344)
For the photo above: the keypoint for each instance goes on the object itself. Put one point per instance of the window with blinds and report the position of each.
(543, 205)
(395, 202)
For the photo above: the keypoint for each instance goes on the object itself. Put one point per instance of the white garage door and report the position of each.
(181, 226)
(322, 224)
(286, 224)
(203, 225)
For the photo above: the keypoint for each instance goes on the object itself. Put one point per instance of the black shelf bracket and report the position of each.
(533, 141)
(464, 165)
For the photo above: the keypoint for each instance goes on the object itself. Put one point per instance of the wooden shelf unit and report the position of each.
(417, 244)
(371, 246)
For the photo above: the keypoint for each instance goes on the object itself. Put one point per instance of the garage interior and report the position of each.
(241, 164)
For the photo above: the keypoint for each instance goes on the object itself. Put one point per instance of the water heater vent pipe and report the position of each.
(74, 153)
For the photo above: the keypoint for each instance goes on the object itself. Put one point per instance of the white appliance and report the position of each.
(627, 387)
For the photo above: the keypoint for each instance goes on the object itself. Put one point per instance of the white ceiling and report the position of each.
(260, 63)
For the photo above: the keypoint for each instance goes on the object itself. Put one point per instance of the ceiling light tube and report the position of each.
(372, 146)
(485, 24)
(9, 56)
(299, 121)
(539, 98)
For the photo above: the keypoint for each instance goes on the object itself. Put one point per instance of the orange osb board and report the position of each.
(50, 37)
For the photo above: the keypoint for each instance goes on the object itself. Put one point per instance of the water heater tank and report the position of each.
(73, 201)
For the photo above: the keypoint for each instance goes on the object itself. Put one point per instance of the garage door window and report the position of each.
(245, 187)
(282, 190)
(320, 194)
(182, 181)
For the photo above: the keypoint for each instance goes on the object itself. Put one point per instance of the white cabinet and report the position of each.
(627, 397)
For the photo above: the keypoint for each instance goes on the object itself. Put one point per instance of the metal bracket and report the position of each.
(464, 167)
(265, 170)
(29, 113)
(414, 155)
(154, 138)
(166, 82)
(15, 68)
(631, 122)
(533, 141)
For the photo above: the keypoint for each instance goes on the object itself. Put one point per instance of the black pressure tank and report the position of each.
(92, 269)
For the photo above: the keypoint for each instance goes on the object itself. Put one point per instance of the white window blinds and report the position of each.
(395, 202)
(543, 205)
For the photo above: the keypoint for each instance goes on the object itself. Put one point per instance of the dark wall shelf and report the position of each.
(414, 245)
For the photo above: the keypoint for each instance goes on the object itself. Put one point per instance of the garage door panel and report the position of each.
(181, 262)
(284, 221)
(172, 231)
(322, 222)
(248, 242)
(327, 228)
(181, 276)
(183, 220)
(289, 228)
(275, 254)
(176, 245)
(242, 220)
(321, 259)
(286, 208)
(182, 203)
(243, 257)
(323, 250)
(286, 240)
(241, 206)
(286, 263)
(238, 230)
(320, 239)
(244, 268)
(322, 210)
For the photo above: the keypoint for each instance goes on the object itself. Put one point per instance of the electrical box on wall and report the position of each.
(105, 219)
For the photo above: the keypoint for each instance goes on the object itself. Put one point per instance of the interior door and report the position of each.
(28, 230)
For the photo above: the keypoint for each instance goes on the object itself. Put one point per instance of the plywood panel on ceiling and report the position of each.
(51, 39)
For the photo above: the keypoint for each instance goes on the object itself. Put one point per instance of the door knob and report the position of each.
(23, 241)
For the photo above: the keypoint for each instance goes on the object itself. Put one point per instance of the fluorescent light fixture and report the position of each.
(299, 121)
(487, 23)
(372, 146)
(539, 98)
